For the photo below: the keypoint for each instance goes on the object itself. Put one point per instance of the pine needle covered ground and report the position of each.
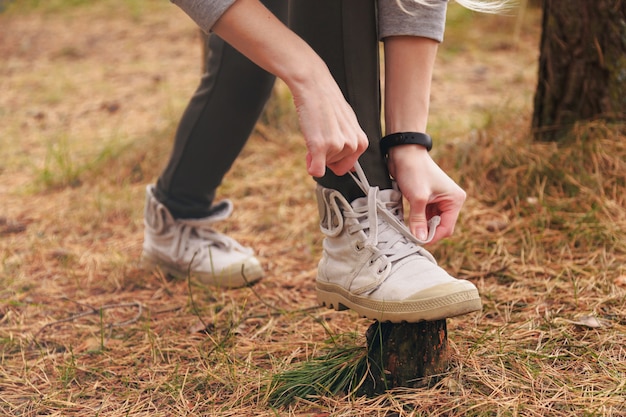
(90, 96)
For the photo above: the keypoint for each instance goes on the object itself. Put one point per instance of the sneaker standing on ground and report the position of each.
(329, 59)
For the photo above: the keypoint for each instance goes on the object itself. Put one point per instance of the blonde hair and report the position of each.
(491, 6)
(484, 6)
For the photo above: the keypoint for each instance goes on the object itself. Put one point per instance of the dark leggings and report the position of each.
(232, 93)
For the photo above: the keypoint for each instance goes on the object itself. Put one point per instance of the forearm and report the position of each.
(253, 30)
(330, 128)
(409, 63)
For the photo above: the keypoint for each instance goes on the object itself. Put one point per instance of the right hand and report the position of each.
(332, 133)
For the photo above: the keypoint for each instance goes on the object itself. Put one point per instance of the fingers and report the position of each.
(447, 207)
(316, 164)
(428, 189)
(420, 213)
(344, 161)
(425, 202)
(339, 156)
(422, 209)
(333, 136)
(446, 227)
(418, 223)
(340, 163)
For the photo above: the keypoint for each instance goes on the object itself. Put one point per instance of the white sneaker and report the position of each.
(372, 263)
(183, 246)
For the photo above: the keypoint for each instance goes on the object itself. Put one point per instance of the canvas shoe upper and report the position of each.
(372, 264)
(182, 246)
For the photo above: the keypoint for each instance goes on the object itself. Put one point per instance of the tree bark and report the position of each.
(410, 355)
(582, 65)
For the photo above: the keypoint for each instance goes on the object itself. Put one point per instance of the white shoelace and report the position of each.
(388, 234)
(197, 236)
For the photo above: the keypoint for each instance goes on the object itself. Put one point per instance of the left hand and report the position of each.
(427, 188)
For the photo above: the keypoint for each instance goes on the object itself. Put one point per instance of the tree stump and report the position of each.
(410, 355)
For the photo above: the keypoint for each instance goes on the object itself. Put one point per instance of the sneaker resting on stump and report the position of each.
(183, 246)
(371, 262)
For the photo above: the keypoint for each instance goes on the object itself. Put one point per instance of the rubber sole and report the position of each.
(463, 301)
(227, 278)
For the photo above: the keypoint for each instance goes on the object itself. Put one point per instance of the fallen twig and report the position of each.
(97, 310)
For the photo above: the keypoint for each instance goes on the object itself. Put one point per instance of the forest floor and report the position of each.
(90, 96)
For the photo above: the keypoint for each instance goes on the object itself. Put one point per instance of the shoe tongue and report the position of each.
(391, 199)
(384, 196)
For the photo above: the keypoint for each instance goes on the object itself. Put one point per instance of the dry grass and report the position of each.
(90, 97)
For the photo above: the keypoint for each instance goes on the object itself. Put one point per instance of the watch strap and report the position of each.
(405, 138)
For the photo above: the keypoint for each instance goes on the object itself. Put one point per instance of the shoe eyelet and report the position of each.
(358, 247)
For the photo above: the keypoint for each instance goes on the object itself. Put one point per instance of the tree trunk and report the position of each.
(410, 355)
(582, 65)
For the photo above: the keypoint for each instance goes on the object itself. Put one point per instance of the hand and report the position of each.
(427, 188)
(332, 133)
(330, 127)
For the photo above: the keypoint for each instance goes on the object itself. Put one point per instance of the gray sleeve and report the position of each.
(204, 12)
(408, 17)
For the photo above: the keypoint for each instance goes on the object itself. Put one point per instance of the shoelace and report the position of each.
(389, 235)
(197, 235)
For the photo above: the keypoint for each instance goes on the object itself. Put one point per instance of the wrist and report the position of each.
(404, 156)
(306, 74)
(402, 139)
(407, 152)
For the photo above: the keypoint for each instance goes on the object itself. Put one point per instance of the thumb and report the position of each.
(418, 224)
(315, 165)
